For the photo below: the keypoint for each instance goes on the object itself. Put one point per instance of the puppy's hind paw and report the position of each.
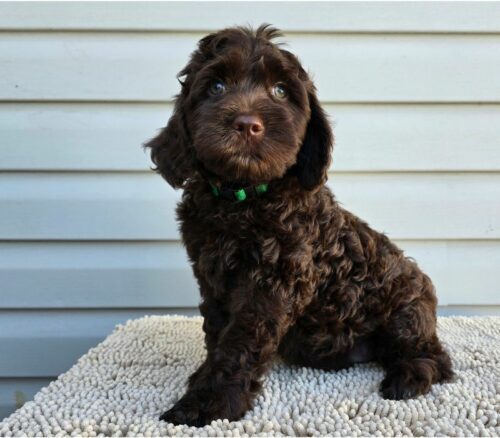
(405, 383)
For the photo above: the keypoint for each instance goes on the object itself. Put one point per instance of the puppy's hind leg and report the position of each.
(410, 351)
(416, 370)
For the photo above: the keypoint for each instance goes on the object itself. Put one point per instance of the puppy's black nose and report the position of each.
(249, 125)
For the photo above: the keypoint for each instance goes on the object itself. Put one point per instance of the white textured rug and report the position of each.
(121, 387)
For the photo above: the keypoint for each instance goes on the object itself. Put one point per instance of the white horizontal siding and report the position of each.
(347, 68)
(95, 275)
(145, 274)
(292, 16)
(87, 234)
(369, 137)
(140, 206)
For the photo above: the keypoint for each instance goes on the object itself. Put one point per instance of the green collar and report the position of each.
(239, 194)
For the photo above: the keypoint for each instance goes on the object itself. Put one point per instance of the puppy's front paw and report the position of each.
(184, 412)
(200, 407)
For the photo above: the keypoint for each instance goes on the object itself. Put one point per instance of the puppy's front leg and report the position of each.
(215, 319)
(227, 384)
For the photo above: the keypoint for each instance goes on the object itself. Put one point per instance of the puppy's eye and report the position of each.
(217, 88)
(279, 91)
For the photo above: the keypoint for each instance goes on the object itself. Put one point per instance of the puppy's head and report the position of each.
(247, 112)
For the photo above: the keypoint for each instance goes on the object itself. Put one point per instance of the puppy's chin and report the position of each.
(249, 163)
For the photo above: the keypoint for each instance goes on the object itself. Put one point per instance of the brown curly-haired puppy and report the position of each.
(282, 268)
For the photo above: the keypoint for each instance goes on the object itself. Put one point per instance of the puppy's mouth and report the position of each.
(247, 141)
(244, 145)
(238, 161)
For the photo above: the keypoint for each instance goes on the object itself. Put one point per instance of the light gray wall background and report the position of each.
(87, 231)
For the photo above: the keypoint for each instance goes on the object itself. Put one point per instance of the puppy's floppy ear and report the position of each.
(314, 156)
(171, 149)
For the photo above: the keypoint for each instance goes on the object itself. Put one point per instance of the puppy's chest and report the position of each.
(243, 255)
(229, 260)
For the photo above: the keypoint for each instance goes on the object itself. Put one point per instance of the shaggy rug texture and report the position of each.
(121, 386)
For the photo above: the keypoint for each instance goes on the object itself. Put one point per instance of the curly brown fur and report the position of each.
(290, 272)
